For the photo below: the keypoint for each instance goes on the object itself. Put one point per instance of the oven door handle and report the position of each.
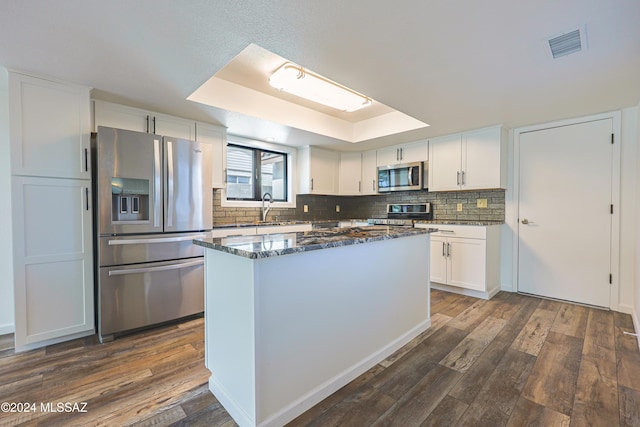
(158, 240)
(154, 269)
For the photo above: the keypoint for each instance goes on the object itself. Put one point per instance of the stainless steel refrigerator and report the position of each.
(153, 196)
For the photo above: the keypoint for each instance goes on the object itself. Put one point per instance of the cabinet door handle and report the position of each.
(154, 125)
(86, 198)
(359, 186)
(147, 123)
(86, 160)
(444, 249)
(458, 178)
(373, 185)
(311, 184)
(448, 249)
(462, 177)
(157, 183)
(401, 154)
(153, 269)
(170, 184)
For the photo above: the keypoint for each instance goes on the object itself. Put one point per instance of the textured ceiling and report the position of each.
(456, 65)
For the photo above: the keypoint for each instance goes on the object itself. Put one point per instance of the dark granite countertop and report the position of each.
(461, 222)
(336, 221)
(264, 246)
(261, 224)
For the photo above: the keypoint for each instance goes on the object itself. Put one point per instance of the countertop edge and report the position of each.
(216, 244)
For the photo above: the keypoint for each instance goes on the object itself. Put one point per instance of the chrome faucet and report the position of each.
(265, 211)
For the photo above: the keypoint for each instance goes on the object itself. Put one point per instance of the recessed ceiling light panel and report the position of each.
(306, 84)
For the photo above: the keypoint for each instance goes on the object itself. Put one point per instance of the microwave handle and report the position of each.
(411, 175)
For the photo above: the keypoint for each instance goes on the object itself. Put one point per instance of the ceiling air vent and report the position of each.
(567, 43)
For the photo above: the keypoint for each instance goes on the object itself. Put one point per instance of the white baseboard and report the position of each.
(467, 292)
(507, 288)
(319, 393)
(628, 309)
(9, 328)
(636, 325)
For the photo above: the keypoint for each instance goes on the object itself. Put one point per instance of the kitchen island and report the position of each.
(291, 318)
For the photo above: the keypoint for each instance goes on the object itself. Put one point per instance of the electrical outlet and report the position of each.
(481, 203)
(337, 208)
(305, 208)
(459, 207)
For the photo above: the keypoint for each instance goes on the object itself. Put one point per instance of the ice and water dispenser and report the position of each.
(129, 199)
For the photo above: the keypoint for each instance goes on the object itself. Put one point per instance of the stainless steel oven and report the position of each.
(405, 214)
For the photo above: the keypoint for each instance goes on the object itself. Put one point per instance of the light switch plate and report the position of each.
(305, 208)
(337, 208)
(482, 203)
(459, 207)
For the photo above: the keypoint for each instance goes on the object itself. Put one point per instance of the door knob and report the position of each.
(525, 221)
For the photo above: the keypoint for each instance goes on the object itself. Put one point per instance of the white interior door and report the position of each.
(565, 219)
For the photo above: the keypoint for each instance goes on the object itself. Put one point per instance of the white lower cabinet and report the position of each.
(53, 260)
(465, 259)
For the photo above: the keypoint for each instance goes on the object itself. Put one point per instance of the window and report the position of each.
(252, 172)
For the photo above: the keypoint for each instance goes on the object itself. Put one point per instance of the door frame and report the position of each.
(614, 294)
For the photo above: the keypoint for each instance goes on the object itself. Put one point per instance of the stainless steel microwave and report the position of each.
(402, 177)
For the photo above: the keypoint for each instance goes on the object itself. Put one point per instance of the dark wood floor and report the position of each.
(515, 360)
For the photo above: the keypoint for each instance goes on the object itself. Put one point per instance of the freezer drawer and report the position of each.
(134, 249)
(146, 294)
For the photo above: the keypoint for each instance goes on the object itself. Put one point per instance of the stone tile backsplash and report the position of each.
(444, 205)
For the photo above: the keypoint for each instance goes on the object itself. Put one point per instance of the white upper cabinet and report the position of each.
(472, 160)
(124, 117)
(485, 159)
(217, 136)
(369, 173)
(49, 128)
(175, 127)
(358, 173)
(318, 170)
(405, 153)
(350, 174)
(445, 154)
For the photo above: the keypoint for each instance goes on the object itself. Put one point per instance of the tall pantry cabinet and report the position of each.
(49, 126)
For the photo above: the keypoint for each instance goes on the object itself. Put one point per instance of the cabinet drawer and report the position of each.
(466, 231)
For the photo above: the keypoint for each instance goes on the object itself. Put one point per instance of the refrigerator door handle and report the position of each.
(170, 200)
(157, 183)
(157, 240)
(152, 269)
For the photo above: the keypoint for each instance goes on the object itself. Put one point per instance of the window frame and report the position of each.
(289, 152)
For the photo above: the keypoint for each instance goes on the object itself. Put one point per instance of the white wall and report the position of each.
(6, 250)
(629, 289)
(636, 298)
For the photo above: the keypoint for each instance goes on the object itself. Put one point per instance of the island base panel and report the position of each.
(311, 321)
